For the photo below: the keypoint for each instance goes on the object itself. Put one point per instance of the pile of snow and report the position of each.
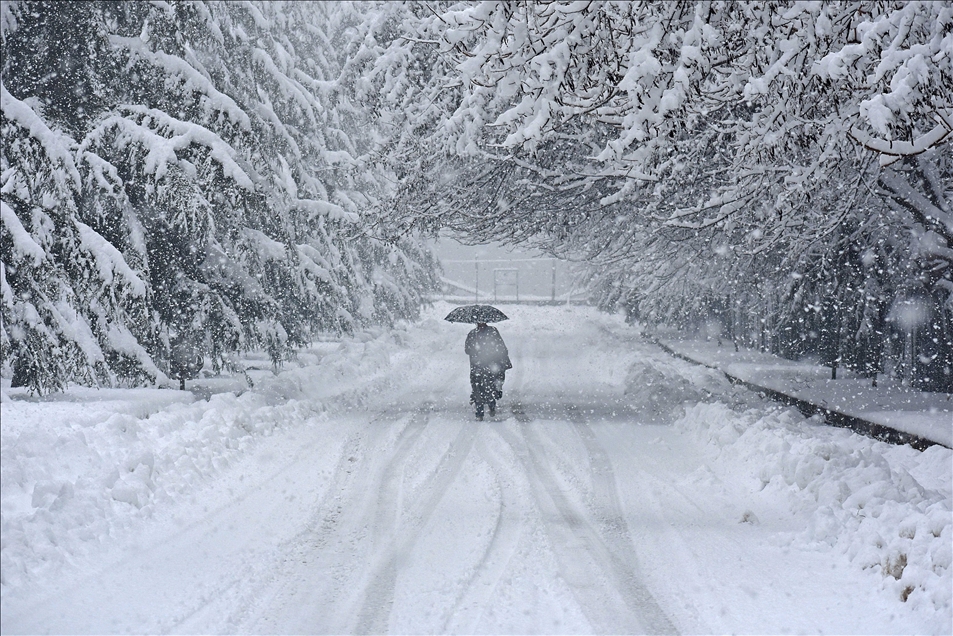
(82, 467)
(659, 386)
(887, 508)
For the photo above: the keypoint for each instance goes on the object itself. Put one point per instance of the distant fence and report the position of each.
(517, 280)
(542, 302)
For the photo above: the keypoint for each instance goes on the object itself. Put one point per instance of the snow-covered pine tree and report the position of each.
(216, 171)
(72, 307)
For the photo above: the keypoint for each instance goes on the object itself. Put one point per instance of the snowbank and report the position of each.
(886, 507)
(87, 465)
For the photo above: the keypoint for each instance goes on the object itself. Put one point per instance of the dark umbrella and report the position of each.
(476, 313)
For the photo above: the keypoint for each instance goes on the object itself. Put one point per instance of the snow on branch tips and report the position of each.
(58, 146)
(23, 243)
(149, 132)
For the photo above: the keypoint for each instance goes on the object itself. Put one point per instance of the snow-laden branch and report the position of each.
(913, 200)
(23, 243)
(892, 151)
(57, 146)
(160, 150)
(312, 261)
(105, 173)
(109, 260)
(192, 79)
(289, 87)
(325, 208)
(265, 246)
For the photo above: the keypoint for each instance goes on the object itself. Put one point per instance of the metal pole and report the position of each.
(554, 279)
(476, 281)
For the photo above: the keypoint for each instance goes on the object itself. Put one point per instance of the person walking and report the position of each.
(489, 361)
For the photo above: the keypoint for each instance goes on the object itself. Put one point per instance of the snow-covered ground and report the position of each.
(927, 415)
(619, 490)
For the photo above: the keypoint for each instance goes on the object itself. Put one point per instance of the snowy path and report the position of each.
(580, 508)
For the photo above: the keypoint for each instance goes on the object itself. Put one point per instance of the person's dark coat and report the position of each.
(489, 361)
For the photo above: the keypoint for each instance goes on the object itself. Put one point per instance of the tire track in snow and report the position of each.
(316, 569)
(371, 598)
(666, 511)
(480, 587)
(593, 547)
(607, 508)
(378, 597)
(386, 513)
(323, 577)
(602, 579)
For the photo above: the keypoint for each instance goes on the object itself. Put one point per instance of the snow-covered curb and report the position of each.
(889, 412)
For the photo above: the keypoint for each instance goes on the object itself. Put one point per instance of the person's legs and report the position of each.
(492, 406)
(478, 381)
(498, 380)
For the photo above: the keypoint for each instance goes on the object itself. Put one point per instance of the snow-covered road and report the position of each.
(617, 491)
